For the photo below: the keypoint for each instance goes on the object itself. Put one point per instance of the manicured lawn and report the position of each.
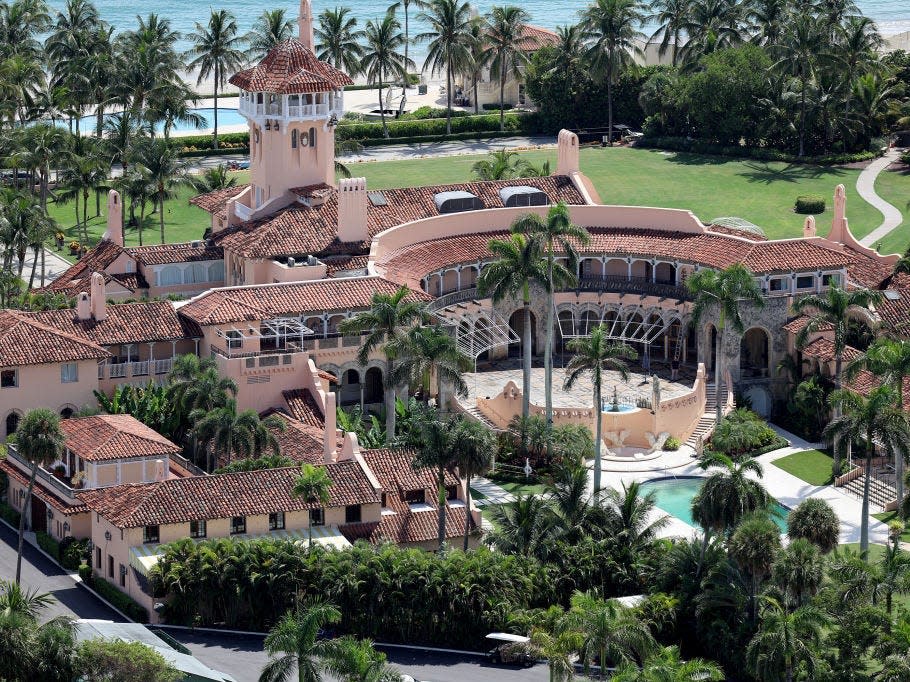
(522, 488)
(888, 517)
(812, 466)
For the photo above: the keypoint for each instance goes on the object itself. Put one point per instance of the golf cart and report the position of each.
(511, 649)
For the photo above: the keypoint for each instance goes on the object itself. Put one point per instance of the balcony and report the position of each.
(140, 368)
(59, 487)
(641, 286)
(283, 110)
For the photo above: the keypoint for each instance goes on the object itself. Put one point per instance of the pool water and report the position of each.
(226, 117)
(675, 495)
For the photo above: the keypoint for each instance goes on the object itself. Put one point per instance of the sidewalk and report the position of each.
(865, 186)
(54, 266)
(492, 493)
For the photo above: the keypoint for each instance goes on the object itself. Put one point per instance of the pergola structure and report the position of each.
(276, 333)
(477, 329)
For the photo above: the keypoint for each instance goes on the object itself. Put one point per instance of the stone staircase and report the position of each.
(705, 424)
(474, 413)
(880, 493)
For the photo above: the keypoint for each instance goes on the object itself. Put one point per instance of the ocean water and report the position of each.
(893, 16)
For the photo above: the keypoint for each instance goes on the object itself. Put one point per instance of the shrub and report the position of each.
(672, 444)
(121, 601)
(694, 146)
(743, 432)
(48, 544)
(905, 158)
(494, 106)
(85, 572)
(815, 521)
(809, 204)
(10, 515)
(73, 552)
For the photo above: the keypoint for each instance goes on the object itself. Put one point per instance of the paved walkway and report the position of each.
(865, 185)
(492, 493)
(54, 266)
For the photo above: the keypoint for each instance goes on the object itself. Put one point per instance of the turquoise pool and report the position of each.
(674, 496)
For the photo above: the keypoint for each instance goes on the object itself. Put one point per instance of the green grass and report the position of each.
(522, 488)
(888, 517)
(894, 187)
(812, 466)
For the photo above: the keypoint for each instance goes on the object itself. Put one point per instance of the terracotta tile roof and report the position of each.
(320, 190)
(895, 311)
(213, 202)
(132, 281)
(76, 278)
(336, 265)
(220, 496)
(114, 436)
(407, 527)
(533, 38)
(864, 383)
(125, 323)
(42, 492)
(27, 341)
(823, 349)
(300, 229)
(866, 271)
(236, 304)
(734, 232)
(302, 407)
(290, 67)
(396, 474)
(159, 254)
(302, 442)
(796, 325)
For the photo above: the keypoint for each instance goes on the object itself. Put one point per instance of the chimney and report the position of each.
(566, 153)
(352, 210)
(114, 231)
(305, 24)
(98, 300)
(809, 227)
(330, 437)
(83, 307)
(839, 222)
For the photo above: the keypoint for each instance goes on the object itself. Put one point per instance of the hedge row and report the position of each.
(681, 144)
(422, 139)
(120, 600)
(48, 544)
(809, 204)
(10, 515)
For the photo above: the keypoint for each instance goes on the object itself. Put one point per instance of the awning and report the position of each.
(144, 557)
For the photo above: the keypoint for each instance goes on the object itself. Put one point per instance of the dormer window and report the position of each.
(523, 195)
(415, 496)
(456, 201)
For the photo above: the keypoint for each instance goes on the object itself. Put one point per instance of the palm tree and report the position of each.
(558, 646)
(856, 578)
(313, 485)
(473, 70)
(381, 57)
(215, 53)
(889, 360)
(211, 179)
(228, 431)
(425, 353)
(269, 29)
(612, 632)
(41, 229)
(526, 526)
(45, 144)
(519, 264)
(857, 44)
(814, 520)
(474, 446)
(39, 441)
(83, 173)
(558, 233)
(727, 289)
(501, 164)
(165, 169)
(798, 571)
(668, 666)
(753, 546)
(712, 25)
(504, 38)
(613, 27)
(386, 320)
(834, 311)
(355, 660)
(784, 642)
(294, 644)
(800, 48)
(628, 515)
(338, 41)
(594, 355)
(406, 6)
(729, 494)
(876, 421)
(671, 17)
(437, 450)
(768, 18)
(450, 42)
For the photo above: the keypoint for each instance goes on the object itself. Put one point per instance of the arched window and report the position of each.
(12, 422)
(216, 271)
(67, 412)
(170, 275)
(294, 139)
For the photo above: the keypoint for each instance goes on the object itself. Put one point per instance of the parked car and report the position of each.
(510, 649)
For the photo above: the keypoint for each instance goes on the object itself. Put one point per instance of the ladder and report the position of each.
(677, 350)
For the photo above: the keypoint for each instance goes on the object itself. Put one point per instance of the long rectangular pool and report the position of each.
(675, 495)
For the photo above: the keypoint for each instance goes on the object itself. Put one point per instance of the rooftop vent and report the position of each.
(377, 198)
(892, 295)
(196, 244)
(523, 195)
(456, 202)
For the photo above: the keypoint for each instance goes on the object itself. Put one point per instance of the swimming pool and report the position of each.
(674, 496)
(226, 117)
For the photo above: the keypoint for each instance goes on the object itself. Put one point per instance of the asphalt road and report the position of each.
(41, 574)
(242, 656)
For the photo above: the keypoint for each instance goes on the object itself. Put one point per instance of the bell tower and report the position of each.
(292, 102)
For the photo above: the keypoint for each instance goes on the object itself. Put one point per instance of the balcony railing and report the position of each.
(45, 476)
(643, 286)
(135, 368)
(275, 109)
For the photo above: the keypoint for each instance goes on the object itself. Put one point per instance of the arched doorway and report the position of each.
(372, 389)
(753, 353)
(711, 337)
(517, 324)
(67, 412)
(760, 400)
(349, 393)
(12, 422)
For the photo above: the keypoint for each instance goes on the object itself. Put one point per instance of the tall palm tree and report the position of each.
(473, 70)
(594, 355)
(728, 290)
(889, 360)
(784, 642)
(387, 319)
(798, 571)
(857, 43)
(613, 28)
(558, 233)
(875, 420)
(768, 18)
(45, 144)
(834, 311)
(216, 54)
(878, 582)
(712, 25)
(612, 632)
(753, 546)
(437, 450)
(84, 172)
(427, 353)
(800, 48)
(165, 169)
(504, 38)
(406, 6)
(629, 515)
(519, 264)
(381, 58)
(294, 644)
(668, 666)
(526, 526)
(313, 485)
(338, 40)
(449, 42)
(41, 230)
(475, 445)
(269, 29)
(227, 431)
(671, 17)
(39, 441)
(730, 493)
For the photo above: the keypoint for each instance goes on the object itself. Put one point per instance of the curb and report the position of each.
(75, 577)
